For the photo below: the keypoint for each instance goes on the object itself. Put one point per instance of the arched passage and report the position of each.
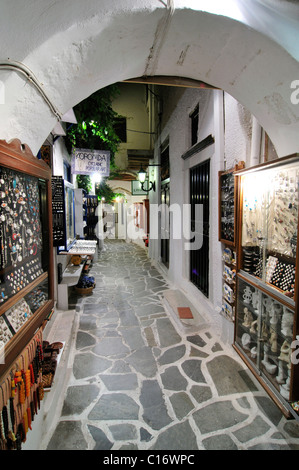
(76, 48)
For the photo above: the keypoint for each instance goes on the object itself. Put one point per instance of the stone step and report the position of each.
(174, 299)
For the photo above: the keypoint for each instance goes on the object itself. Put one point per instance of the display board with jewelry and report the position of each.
(269, 225)
(227, 207)
(264, 330)
(20, 232)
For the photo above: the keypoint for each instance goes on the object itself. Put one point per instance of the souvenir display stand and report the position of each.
(266, 324)
(21, 393)
(26, 265)
(228, 217)
(227, 207)
(90, 216)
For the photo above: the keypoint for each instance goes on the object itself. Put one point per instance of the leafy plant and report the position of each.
(84, 182)
(95, 130)
(96, 121)
(106, 193)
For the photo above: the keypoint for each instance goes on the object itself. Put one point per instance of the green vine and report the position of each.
(106, 194)
(84, 182)
(95, 130)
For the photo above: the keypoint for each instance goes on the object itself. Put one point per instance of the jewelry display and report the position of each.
(84, 247)
(26, 272)
(18, 315)
(5, 333)
(20, 227)
(269, 226)
(37, 297)
(58, 210)
(227, 207)
(16, 279)
(90, 217)
(229, 283)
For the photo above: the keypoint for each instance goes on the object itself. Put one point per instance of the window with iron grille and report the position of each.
(199, 194)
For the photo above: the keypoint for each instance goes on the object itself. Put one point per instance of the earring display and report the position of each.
(227, 207)
(58, 210)
(26, 249)
(20, 226)
(20, 232)
(269, 226)
(227, 204)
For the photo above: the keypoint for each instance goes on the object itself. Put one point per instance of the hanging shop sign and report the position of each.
(86, 162)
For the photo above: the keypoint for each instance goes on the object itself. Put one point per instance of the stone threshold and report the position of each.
(173, 299)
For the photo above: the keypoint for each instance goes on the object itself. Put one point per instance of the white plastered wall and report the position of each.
(231, 126)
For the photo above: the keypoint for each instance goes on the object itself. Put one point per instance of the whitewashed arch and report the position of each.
(72, 48)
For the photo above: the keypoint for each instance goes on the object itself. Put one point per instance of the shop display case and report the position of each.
(26, 265)
(63, 214)
(228, 195)
(266, 326)
(229, 283)
(90, 217)
(227, 208)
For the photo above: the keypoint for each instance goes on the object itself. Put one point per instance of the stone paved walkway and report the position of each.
(138, 383)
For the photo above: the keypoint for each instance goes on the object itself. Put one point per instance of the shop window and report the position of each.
(120, 128)
(165, 161)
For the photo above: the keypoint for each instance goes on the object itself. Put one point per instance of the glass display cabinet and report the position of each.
(266, 326)
(26, 261)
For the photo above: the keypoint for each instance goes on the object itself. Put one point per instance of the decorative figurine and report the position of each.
(287, 322)
(247, 318)
(247, 296)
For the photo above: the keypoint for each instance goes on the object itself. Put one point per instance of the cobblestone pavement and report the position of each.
(139, 384)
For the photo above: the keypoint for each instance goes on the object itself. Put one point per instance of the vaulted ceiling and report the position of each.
(55, 54)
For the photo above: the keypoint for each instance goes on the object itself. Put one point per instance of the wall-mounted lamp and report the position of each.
(142, 178)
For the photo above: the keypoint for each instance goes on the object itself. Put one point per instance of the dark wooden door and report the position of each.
(199, 194)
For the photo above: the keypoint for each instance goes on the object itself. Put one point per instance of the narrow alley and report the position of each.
(139, 383)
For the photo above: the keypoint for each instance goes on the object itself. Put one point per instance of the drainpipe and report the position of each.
(255, 142)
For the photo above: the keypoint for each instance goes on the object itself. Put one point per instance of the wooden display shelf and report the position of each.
(18, 158)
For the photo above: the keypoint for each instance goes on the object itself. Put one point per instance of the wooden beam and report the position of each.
(171, 81)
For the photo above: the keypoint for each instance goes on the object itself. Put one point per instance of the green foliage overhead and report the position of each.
(95, 130)
(95, 123)
(84, 182)
(106, 193)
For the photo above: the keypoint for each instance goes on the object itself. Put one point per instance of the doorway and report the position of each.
(199, 194)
